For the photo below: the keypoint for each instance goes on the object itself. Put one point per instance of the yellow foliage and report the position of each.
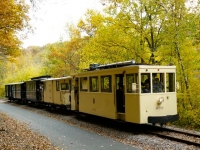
(14, 18)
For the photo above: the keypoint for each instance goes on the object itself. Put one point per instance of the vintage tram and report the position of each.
(127, 91)
(117, 91)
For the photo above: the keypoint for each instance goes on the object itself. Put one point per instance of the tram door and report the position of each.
(120, 97)
(39, 90)
(76, 91)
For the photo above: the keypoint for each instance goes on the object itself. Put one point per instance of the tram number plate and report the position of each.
(160, 107)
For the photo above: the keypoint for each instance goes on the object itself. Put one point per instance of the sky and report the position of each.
(49, 21)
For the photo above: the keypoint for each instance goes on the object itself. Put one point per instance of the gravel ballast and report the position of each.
(140, 141)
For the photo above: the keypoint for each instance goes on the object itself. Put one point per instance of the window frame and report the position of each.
(57, 86)
(143, 82)
(81, 85)
(162, 79)
(136, 81)
(109, 89)
(168, 84)
(95, 82)
(64, 86)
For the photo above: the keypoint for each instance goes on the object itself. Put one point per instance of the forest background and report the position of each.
(160, 32)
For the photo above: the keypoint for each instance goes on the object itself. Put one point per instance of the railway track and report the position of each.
(177, 135)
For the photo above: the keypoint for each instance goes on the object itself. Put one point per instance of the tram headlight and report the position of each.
(161, 100)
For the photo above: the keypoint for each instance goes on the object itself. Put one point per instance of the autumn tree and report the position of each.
(182, 25)
(14, 18)
(129, 29)
(63, 57)
(29, 64)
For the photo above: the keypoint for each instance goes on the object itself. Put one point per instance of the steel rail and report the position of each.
(177, 139)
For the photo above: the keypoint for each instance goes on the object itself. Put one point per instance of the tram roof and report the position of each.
(96, 66)
(41, 77)
(14, 83)
(51, 79)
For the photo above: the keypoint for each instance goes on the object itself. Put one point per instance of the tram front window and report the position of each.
(158, 82)
(145, 83)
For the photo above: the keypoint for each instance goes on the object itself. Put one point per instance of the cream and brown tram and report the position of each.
(127, 91)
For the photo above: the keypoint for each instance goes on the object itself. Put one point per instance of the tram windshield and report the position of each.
(156, 82)
(145, 83)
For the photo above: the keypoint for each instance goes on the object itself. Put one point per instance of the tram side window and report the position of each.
(57, 86)
(30, 86)
(34, 86)
(14, 88)
(132, 83)
(158, 82)
(64, 86)
(18, 87)
(94, 84)
(83, 84)
(106, 85)
(27, 87)
(170, 82)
